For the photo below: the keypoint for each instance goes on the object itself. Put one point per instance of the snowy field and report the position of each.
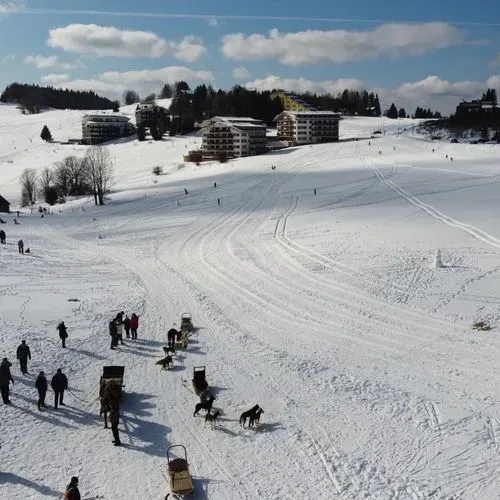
(327, 310)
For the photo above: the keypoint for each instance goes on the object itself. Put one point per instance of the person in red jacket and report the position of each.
(134, 324)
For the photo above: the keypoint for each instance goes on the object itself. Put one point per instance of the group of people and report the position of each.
(59, 382)
(118, 324)
(20, 243)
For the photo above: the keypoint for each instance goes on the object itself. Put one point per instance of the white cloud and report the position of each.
(8, 58)
(241, 73)
(55, 78)
(46, 62)
(303, 85)
(113, 83)
(340, 46)
(190, 49)
(10, 7)
(495, 63)
(108, 41)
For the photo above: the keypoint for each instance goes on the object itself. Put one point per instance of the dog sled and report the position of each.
(181, 482)
(186, 322)
(200, 384)
(111, 383)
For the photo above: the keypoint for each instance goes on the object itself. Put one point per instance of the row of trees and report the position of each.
(91, 175)
(32, 98)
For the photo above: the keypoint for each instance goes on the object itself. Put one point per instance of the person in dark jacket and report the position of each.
(20, 244)
(134, 324)
(41, 386)
(113, 331)
(72, 492)
(126, 325)
(2, 236)
(5, 380)
(59, 385)
(171, 336)
(23, 354)
(114, 418)
(63, 333)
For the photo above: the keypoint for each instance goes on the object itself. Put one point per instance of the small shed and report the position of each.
(4, 205)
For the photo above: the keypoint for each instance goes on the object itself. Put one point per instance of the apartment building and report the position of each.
(307, 127)
(99, 128)
(233, 136)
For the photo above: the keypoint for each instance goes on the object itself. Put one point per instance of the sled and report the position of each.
(200, 384)
(112, 381)
(186, 322)
(181, 482)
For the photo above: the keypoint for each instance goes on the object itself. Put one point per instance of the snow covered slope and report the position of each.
(326, 309)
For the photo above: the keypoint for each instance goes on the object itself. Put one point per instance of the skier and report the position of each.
(134, 324)
(2, 237)
(314, 190)
(23, 354)
(114, 419)
(126, 325)
(119, 327)
(5, 380)
(113, 331)
(218, 201)
(215, 184)
(63, 333)
(185, 191)
(59, 384)
(72, 492)
(20, 245)
(41, 387)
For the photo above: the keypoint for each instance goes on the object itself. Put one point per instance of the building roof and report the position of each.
(241, 122)
(311, 114)
(2, 199)
(114, 117)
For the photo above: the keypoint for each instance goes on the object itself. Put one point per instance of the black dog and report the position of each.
(248, 414)
(169, 348)
(211, 418)
(254, 419)
(165, 363)
(207, 405)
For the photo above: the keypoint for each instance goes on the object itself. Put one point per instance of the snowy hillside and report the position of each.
(325, 309)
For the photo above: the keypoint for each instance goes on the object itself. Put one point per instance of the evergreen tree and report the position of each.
(392, 112)
(166, 92)
(130, 97)
(402, 113)
(46, 135)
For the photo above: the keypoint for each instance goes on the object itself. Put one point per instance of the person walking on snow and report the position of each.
(134, 324)
(171, 336)
(5, 380)
(2, 237)
(113, 331)
(59, 384)
(41, 386)
(23, 354)
(63, 333)
(119, 327)
(114, 419)
(126, 325)
(72, 492)
(20, 245)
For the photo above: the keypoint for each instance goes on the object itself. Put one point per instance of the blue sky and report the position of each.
(412, 53)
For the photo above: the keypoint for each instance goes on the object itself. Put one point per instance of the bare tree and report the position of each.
(45, 181)
(79, 182)
(28, 180)
(62, 175)
(100, 171)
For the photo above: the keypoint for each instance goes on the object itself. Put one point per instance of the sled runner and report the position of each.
(186, 322)
(178, 471)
